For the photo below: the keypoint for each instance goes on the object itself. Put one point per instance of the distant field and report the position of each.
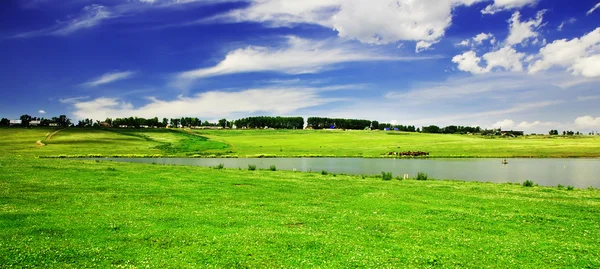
(79, 214)
(283, 143)
(375, 143)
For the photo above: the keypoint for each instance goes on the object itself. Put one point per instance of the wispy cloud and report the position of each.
(298, 56)
(42, 112)
(90, 16)
(593, 9)
(212, 104)
(72, 100)
(109, 78)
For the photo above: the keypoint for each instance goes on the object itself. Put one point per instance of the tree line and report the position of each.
(26, 120)
(338, 123)
(270, 122)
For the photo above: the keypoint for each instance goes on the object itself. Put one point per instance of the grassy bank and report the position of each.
(74, 142)
(68, 213)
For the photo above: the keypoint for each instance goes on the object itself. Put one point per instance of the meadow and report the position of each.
(76, 213)
(74, 142)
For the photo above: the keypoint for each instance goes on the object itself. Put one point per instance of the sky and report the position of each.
(531, 65)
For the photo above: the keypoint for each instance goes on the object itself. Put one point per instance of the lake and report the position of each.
(580, 173)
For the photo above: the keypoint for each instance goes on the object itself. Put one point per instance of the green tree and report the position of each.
(4, 122)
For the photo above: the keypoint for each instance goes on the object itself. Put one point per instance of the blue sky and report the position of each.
(532, 65)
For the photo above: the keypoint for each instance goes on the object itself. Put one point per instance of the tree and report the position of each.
(165, 122)
(553, 132)
(25, 119)
(223, 123)
(374, 125)
(4, 122)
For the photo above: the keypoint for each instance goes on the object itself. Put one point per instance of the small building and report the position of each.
(35, 123)
(53, 124)
(386, 129)
(144, 126)
(396, 129)
(16, 122)
(123, 126)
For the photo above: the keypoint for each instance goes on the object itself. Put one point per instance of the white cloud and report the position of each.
(522, 32)
(300, 56)
(90, 16)
(42, 112)
(505, 124)
(425, 45)
(593, 9)
(502, 5)
(212, 104)
(469, 62)
(587, 122)
(581, 56)
(507, 58)
(109, 78)
(72, 100)
(374, 22)
(477, 40)
(482, 37)
(524, 125)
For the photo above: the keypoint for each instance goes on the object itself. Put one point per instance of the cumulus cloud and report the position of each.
(523, 31)
(299, 56)
(469, 62)
(505, 58)
(212, 104)
(587, 122)
(581, 56)
(109, 78)
(42, 112)
(90, 16)
(524, 125)
(374, 22)
(477, 40)
(502, 5)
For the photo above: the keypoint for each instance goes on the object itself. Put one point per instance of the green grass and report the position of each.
(74, 142)
(76, 214)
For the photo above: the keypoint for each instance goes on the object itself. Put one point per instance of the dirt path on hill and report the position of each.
(52, 134)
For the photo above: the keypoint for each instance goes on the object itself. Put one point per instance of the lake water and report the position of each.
(581, 173)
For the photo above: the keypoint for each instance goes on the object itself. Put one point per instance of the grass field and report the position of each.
(284, 143)
(71, 213)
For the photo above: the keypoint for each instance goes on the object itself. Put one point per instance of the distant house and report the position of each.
(35, 123)
(53, 124)
(386, 129)
(16, 122)
(144, 126)
(395, 129)
(123, 126)
(104, 124)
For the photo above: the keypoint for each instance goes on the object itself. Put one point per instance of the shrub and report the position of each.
(560, 186)
(112, 169)
(273, 168)
(570, 188)
(398, 177)
(251, 167)
(386, 176)
(422, 176)
(220, 166)
(591, 188)
(323, 172)
(528, 183)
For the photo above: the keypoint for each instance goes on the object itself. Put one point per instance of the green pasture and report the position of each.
(75, 142)
(78, 214)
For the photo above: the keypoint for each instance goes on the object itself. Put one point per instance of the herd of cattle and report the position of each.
(408, 153)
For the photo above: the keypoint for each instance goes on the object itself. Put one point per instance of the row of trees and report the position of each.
(136, 122)
(270, 122)
(61, 121)
(453, 129)
(555, 132)
(327, 123)
(403, 128)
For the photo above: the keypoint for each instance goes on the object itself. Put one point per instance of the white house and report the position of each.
(16, 122)
(35, 123)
